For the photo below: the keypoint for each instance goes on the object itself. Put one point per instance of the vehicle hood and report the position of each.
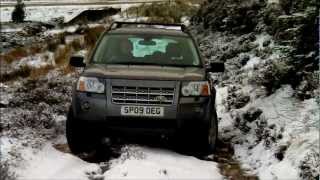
(145, 72)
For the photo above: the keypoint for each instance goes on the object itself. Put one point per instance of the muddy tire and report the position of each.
(80, 137)
(206, 137)
(212, 134)
(198, 139)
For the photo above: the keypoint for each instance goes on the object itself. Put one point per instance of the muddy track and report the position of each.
(230, 167)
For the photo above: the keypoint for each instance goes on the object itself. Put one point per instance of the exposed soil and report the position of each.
(229, 167)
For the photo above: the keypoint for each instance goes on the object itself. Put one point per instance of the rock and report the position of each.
(280, 153)
(241, 101)
(252, 114)
(244, 58)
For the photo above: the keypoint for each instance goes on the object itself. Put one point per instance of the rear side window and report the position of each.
(151, 49)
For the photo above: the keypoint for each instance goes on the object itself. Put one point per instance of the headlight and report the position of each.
(195, 89)
(90, 84)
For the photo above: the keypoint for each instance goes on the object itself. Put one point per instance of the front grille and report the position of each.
(142, 95)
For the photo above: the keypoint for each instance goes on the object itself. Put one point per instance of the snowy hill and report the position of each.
(268, 99)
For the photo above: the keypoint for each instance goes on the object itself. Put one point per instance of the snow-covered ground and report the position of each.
(135, 162)
(290, 128)
(46, 13)
(275, 136)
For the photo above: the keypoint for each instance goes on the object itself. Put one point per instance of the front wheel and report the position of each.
(212, 134)
(80, 138)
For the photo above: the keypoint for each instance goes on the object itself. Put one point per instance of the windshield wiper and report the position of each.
(155, 64)
(133, 63)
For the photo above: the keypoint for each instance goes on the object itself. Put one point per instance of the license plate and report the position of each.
(152, 111)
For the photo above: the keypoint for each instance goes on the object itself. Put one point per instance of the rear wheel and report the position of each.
(80, 137)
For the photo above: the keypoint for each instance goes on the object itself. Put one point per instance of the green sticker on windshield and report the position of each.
(143, 47)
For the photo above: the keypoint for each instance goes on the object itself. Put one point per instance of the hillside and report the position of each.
(268, 98)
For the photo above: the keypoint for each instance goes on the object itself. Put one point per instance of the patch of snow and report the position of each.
(6, 146)
(11, 30)
(296, 121)
(46, 13)
(69, 29)
(37, 61)
(150, 163)
(5, 95)
(185, 20)
(120, 18)
(260, 39)
(49, 163)
(221, 96)
(253, 61)
(68, 12)
(273, 1)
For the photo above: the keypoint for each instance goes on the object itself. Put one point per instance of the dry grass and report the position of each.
(35, 73)
(14, 54)
(91, 36)
(54, 43)
(24, 71)
(68, 69)
(63, 54)
(21, 52)
(76, 45)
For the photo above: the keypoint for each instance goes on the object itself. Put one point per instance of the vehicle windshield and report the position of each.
(146, 50)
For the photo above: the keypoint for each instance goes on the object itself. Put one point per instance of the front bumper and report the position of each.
(185, 111)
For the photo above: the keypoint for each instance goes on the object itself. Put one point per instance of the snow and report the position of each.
(273, 1)
(135, 162)
(52, 164)
(150, 163)
(260, 39)
(296, 120)
(253, 61)
(37, 61)
(121, 17)
(46, 13)
(11, 30)
(6, 145)
(68, 29)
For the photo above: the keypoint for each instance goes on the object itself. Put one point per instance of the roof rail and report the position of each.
(119, 24)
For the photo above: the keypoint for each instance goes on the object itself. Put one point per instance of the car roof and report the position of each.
(145, 30)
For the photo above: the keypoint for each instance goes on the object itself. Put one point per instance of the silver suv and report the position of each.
(143, 79)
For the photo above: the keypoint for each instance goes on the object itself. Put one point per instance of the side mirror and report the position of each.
(77, 61)
(216, 67)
